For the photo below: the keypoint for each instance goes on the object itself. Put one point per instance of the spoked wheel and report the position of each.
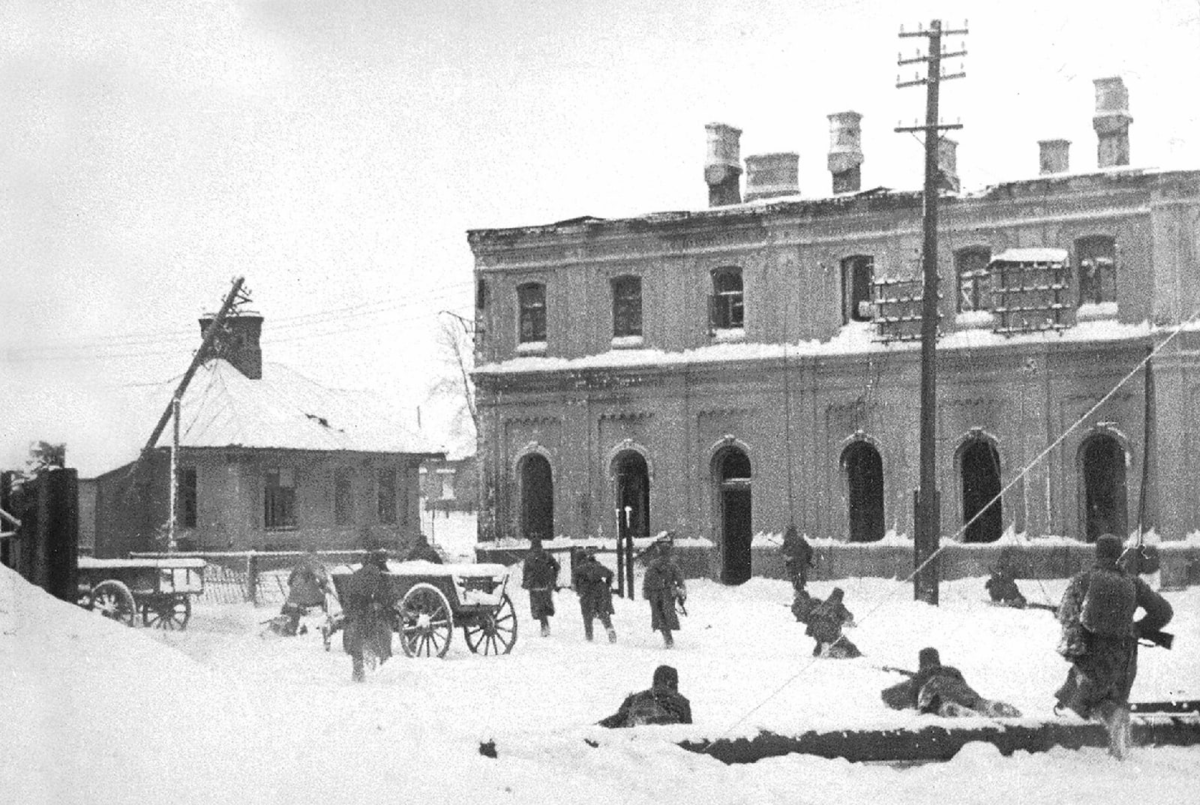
(493, 632)
(168, 614)
(426, 622)
(113, 600)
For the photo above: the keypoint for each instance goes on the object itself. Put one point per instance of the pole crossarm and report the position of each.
(938, 127)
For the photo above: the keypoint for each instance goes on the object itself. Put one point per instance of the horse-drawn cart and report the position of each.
(431, 600)
(159, 590)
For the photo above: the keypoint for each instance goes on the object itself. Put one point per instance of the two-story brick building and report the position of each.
(726, 371)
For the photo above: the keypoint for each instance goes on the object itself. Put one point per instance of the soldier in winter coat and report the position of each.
(308, 586)
(662, 586)
(369, 609)
(422, 551)
(1100, 638)
(1002, 589)
(798, 557)
(661, 704)
(825, 624)
(540, 577)
(592, 581)
(942, 690)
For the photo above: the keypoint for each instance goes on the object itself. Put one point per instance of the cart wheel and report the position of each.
(426, 622)
(113, 600)
(169, 614)
(493, 632)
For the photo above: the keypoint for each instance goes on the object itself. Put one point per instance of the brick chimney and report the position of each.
(1055, 156)
(845, 151)
(1112, 122)
(948, 165)
(238, 341)
(772, 175)
(723, 165)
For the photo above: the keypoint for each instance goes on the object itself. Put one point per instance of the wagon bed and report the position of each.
(432, 599)
(160, 590)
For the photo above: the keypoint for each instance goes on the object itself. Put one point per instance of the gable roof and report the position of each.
(283, 410)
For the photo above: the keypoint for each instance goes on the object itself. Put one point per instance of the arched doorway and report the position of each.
(633, 490)
(537, 497)
(732, 471)
(980, 465)
(1102, 467)
(864, 486)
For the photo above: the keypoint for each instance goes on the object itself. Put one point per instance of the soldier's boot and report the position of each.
(612, 635)
(668, 640)
(357, 673)
(1116, 723)
(545, 627)
(587, 632)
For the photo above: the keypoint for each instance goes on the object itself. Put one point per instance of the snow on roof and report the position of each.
(1032, 255)
(283, 410)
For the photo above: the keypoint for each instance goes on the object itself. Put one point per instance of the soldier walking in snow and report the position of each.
(662, 586)
(798, 557)
(1100, 638)
(660, 704)
(592, 582)
(942, 690)
(368, 606)
(540, 577)
(825, 624)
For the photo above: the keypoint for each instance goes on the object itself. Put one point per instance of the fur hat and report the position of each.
(1108, 548)
(928, 658)
(666, 677)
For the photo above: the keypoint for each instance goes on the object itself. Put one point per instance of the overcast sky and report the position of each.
(336, 153)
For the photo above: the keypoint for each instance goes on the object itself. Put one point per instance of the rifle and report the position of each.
(1047, 607)
(895, 670)
(1156, 637)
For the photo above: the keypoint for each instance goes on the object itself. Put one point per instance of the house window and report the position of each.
(1096, 257)
(727, 303)
(974, 282)
(185, 501)
(627, 306)
(481, 294)
(857, 275)
(279, 498)
(531, 298)
(387, 496)
(343, 498)
(447, 486)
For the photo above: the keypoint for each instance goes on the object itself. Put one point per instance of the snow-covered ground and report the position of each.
(97, 712)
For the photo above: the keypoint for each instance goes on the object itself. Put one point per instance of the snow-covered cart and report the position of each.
(159, 590)
(431, 600)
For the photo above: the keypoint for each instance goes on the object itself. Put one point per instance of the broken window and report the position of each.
(627, 306)
(726, 305)
(279, 498)
(974, 281)
(1096, 257)
(387, 496)
(857, 275)
(185, 512)
(343, 498)
(531, 298)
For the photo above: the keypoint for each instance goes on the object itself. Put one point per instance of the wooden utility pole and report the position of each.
(928, 526)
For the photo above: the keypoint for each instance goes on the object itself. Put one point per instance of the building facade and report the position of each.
(725, 372)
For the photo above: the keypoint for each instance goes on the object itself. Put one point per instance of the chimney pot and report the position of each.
(238, 341)
(772, 175)
(845, 151)
(723, 165)
(1055, 156)
(1111, 122)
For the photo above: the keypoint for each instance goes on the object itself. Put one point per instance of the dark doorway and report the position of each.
(980, 485)
(633, 491)
(864, 480)
(537, 498)
(1103, 469)
(733, 475)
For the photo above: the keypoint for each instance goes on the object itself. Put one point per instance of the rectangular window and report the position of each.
(974, 281)
(185, 501)
(727, 304)
(857, 278)
(343, 498)
(447, 485)
(627, 306)
(279, 498)
(1097, 260)
(387, 496)
(532, 301)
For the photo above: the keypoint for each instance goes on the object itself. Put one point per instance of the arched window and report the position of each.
(627, 306)
(537, 497)
(1096, 261)
(858, 273)
(1102, 467)
(731, 472)
(864, 486)
(531, 299)
(726, 305)
(981, 506)
(974, 282)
